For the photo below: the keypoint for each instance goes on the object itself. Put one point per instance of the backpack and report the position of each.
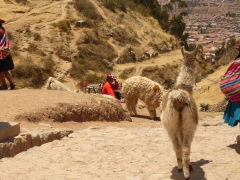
(230, 82)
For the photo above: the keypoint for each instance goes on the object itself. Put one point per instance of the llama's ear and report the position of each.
(195, 51)
(156, 88)
(183, 51)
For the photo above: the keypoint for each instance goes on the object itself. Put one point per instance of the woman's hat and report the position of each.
(110, 76)
(2, 21)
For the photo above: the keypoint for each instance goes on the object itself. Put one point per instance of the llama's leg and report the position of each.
(183, 159)
(178, 151)
(189, 127)
(152, 113)
(186, 161)
(186, 149)
(129, 107)
(134, 105)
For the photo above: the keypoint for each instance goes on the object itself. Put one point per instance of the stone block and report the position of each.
(8, 130)
(238, 144)
(238, 138)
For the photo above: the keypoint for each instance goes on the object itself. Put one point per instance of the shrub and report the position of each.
(204, 106)
(110, 5)
(33, 48)
(96, 52)
(14, 49)
(116, 4)
(10, 36)
(87, 9)
(90, 23)
(49, 65)
(37, 37)
(64, 25)
(126, 73)
(93, 79)
(27, 30)
(143, 10)
(122, 36)
(78, 69)
(33, 75)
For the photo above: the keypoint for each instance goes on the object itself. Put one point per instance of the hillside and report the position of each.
(98, 43)
(210, 92)
(31, 26)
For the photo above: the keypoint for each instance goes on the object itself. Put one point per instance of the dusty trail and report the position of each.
(100, 11)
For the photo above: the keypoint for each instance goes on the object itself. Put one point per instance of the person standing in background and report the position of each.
(6, 62)
(84, 85)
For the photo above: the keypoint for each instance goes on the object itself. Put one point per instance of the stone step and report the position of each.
(26, 140)
(8, 130)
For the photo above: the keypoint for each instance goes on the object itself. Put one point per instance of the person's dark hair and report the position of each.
(1, 27)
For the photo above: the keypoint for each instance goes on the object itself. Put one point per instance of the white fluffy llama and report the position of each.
(179, 112)
(138, 87)
(53, 84)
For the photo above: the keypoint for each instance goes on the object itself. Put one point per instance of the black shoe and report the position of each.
(12, 86)
(4, 87)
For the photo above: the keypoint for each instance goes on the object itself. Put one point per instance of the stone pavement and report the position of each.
(143, 152)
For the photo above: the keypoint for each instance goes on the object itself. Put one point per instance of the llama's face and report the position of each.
(189, 61)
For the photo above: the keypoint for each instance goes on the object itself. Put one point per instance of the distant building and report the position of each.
(80, 23)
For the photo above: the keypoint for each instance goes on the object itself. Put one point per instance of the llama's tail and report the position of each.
(180, 98)
(48, 83)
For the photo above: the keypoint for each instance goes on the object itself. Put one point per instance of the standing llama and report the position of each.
(150, 92)
(179, 112)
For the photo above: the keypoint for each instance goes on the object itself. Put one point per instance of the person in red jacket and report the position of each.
(110, 85)
(84, 85)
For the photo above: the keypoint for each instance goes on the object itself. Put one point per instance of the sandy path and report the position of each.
(170, 58)
(142, 152)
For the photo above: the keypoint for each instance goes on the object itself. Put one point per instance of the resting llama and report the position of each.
(53, 84)
(179, 112)
(138, 87)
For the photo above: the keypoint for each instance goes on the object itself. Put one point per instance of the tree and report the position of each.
(176, 9)
(177, 26)
(169, 16)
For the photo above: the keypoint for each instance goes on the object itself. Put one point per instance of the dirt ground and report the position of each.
(117, 147)
(131, 150)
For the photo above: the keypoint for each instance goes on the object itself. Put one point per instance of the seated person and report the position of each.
(110, 85)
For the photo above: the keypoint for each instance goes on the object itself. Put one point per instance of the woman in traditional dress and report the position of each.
(6, 62)
(232, 112)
